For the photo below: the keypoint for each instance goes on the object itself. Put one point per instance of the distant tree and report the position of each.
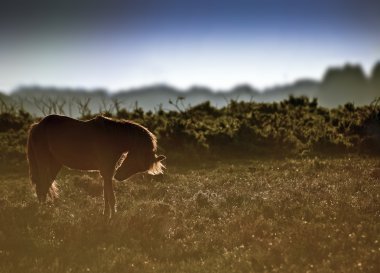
(342, 85)
(375, 80)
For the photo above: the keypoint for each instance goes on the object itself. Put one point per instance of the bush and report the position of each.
(296, 126)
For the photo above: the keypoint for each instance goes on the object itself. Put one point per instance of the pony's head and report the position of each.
(132, 163)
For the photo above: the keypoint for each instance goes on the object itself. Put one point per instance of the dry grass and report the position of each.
(304, 215)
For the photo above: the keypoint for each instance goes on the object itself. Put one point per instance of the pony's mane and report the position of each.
(141, 130)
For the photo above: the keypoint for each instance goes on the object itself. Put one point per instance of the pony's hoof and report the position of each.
(113, 214)
(106, 214)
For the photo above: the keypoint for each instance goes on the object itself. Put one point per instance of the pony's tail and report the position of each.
(53, 191)
(34, 174)
(33, 168)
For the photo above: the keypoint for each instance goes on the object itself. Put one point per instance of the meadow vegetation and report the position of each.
(250, 187)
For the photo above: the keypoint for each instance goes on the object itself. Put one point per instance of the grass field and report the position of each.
(259, 215)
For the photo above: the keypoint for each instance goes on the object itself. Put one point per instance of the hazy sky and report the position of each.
(123, 44)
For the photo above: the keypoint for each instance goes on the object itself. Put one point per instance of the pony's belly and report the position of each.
(77, 161)
(80, 158)
(86, 166)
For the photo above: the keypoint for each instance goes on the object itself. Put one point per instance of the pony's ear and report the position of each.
(160, 158)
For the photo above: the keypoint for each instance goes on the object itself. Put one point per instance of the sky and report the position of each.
(219, 44)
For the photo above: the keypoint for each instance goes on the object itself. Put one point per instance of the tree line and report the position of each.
(296, 126)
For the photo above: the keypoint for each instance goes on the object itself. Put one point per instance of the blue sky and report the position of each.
(219, 44)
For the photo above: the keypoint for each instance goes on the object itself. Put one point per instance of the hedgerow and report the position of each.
(296, 126)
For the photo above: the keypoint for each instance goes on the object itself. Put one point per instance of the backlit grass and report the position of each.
(294, 215)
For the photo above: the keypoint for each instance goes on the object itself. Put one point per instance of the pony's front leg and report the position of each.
(106, 211)
(111, 200)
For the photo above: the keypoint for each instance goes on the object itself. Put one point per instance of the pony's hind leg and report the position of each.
(54, 168)
(48, 171)
(42, 184)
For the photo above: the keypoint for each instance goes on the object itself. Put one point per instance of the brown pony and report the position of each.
(97, 144)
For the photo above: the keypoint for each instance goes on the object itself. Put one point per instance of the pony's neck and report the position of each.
(129, 138)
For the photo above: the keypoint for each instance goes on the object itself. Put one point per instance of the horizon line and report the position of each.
(184, 89)
(60, 88)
